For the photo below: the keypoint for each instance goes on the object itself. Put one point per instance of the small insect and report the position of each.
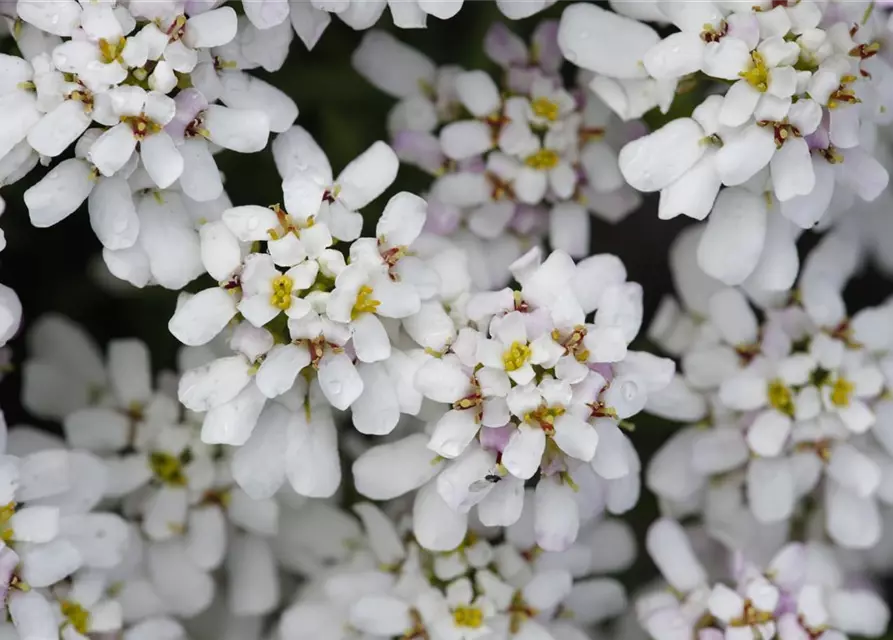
(489, 480)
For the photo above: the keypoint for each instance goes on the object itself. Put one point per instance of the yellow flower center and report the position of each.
(111, 51)
(758, 75)
(544, 417)
(841, 392)
(141, 125)
(545, 108)
(167, 468)
(780, 397)
(6, 513)
(751, 617)
(76, 616)
(281, 296)
(471, 617)
(365, 303)
(516, 356)
(544, 159)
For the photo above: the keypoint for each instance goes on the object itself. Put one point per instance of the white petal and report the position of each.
(253, 578)
(391, 470)
(113, 213)
(605, 42)
(391, 66)
(240, 130)
(213, 384)
(367, 176)
(112, 149)
(59, 128)
(524, 451)
(32, 615)
(557, 517)
(770, 489)
(791, 167)
(477, 92)
(377, 410)
(454, 432)
(232, 422)
(743, 155)
(202, 316)
(59, 193)
(852, 522)
(435, 525)
(162, 159)
(465, 139)
(733, 239)
(370, 340)
(380, 615)
(657, 160)
(339, 380)
(211, 29)
(259, 465)
(672, 552)
(675, 56)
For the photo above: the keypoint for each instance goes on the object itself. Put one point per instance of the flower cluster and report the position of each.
(310, 19)
(793, 411)
(135, 449)
(389, 587)
(135, 90)
(803, 91)
(464, 358)
(800, 593)
(512, 164)
(534, 392)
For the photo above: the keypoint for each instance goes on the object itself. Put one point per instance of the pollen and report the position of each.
(546, 109)
(516, 356)
(780, 397)
(751, 617)
(471, 617)
(758, 75)
(141, 125)
(76, 616)
(281, 296)
(111, 50)
(168, 468)
(365, 303)
(6, 513)
(841, 391)
(544, 418)
(544, 159)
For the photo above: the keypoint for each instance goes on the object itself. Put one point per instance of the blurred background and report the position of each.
(59, 269)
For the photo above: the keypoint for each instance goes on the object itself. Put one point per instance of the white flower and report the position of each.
(267, 292)
(309, 189)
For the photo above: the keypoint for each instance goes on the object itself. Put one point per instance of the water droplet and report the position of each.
(55, 19)
(629, 390)
(335, 388)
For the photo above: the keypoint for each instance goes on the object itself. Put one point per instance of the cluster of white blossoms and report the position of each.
(389, 587)
(790, 130)
(792, 433)
(145, 94)
(513, 162)
(311, 18)
(465, 359)
(529, 391)
(800, 593)
(508, 386)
